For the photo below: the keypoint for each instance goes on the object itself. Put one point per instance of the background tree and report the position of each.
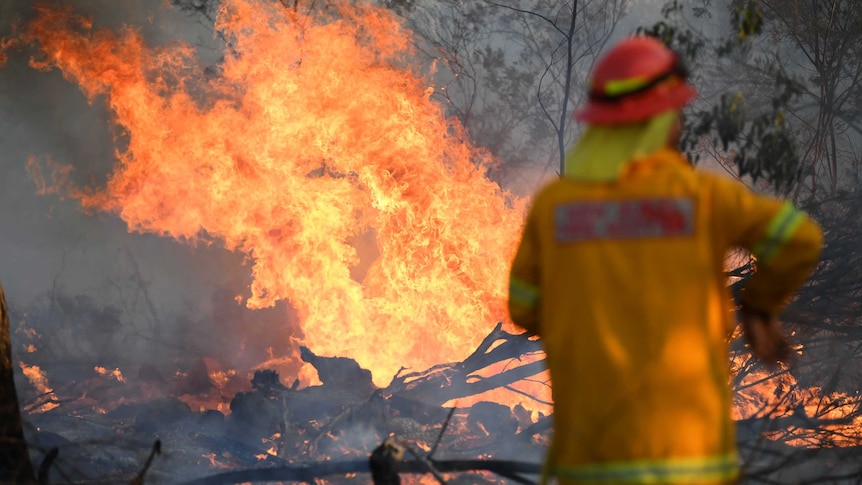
(15, 464)
(511, 71)
(822, 43)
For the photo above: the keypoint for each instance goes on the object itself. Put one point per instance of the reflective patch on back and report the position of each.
(624, 219)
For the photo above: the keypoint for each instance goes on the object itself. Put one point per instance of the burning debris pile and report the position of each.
(433, 423)
(276, 429)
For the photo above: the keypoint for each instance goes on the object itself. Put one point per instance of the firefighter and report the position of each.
(620, 271)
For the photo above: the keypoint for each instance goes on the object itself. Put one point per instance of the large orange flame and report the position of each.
(316, 151)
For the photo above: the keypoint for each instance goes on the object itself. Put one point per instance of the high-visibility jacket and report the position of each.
(624, 282)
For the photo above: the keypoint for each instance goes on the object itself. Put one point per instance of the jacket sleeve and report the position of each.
(784, 241)
(525, 278)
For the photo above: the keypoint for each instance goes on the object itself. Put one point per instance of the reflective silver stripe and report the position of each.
(523, 293)
(779, 231)
(655, 471)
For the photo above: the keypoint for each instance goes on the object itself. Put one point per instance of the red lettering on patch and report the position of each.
(624, 219)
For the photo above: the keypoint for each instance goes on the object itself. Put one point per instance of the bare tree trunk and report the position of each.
(15, 463)
(567, 89)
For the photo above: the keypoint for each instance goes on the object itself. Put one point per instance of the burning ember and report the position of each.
(39, 381)
(812, 418)
(114, 374)
(314, 149)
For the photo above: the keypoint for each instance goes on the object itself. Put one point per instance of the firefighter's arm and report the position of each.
(524, 279)
(784, 241)
(786, 253)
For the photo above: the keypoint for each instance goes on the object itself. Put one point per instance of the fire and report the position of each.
(316, 151)
(37, 378)
(778, 395)
(115, 374)
(220, 378)
(215, 462)
(4, 45)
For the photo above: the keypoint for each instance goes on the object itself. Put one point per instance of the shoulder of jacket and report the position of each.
(716, 181)
(548, 189)
(665, 159)
(665, 155)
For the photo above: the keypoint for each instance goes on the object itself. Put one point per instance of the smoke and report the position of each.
(59, 265)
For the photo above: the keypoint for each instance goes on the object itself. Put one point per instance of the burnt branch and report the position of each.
(310, 472)
(543, 425)
(445, 382)
(42, 477)
(442, 432)
(157, 449)
(441, 389)
(429, 465)
(15, 463)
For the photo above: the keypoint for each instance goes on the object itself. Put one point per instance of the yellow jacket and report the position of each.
(624, 282)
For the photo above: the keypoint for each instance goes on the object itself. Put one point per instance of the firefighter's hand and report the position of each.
(766, 338)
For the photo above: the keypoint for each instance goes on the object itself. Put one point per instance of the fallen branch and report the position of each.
(157, 449)
(542, 425)
(425, 460)
(445, 382)
(439, 391)
(442, 432)
(45, 467)
(308, 473)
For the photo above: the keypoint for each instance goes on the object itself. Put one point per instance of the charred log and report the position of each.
(543, 425)
(267, 382)
(340, 372)
(426, 414)
(15, 463)
(308, 473)
(492, 419)
(156, 449)
(160, 413)
(45, 467)
(251, 411)
(446, 382)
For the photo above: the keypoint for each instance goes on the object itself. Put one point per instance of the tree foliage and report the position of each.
(512, 70)
(753, 136)
(823, 39)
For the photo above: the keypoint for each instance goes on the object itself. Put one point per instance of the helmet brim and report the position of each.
(638, 107)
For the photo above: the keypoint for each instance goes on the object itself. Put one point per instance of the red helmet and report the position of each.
(638, 79)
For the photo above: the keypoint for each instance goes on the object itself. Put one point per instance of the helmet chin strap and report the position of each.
(603, 152)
